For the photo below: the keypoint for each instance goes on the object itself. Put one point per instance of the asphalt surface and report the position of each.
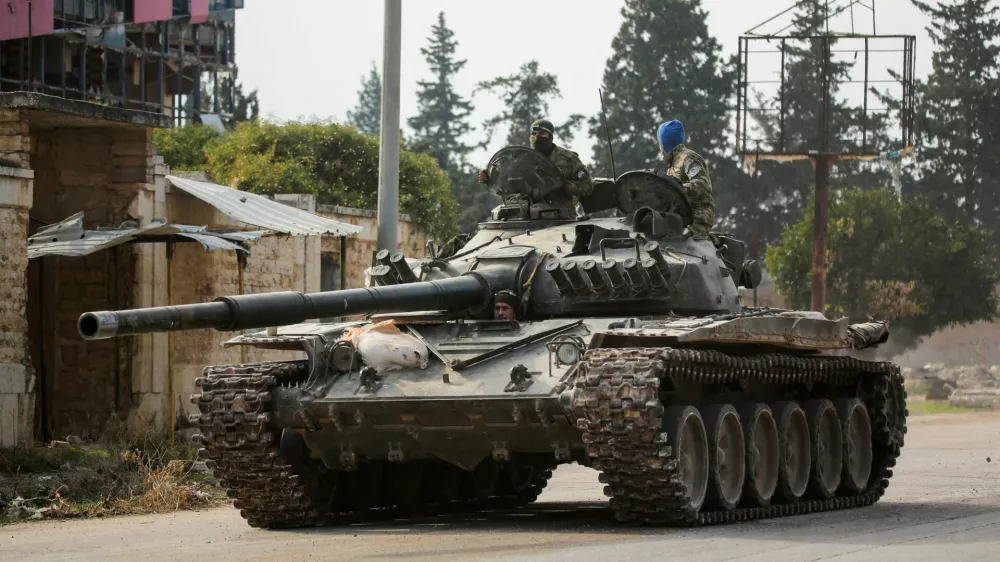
(943, 504)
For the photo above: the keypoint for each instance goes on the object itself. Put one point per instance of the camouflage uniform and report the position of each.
(688, 167)
(576, 179)
(451, 247)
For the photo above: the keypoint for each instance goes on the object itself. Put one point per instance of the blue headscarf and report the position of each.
(670, 134)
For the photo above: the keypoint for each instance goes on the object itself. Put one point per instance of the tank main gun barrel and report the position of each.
(289, 307)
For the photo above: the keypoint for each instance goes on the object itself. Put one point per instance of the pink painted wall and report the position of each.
(152, 10)
(15, 26)
(199, 11)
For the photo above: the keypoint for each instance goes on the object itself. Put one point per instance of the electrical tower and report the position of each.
(874, 111)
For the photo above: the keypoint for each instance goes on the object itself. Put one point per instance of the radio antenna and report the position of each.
(607, 131)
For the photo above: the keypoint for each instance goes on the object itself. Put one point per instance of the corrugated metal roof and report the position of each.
(69, 238)
(260, 211)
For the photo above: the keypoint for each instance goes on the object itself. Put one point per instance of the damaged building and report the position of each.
(92, 219)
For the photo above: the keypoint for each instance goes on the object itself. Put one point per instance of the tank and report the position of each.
(630, 352)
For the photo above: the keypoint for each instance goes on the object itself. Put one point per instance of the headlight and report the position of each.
(567, 353)
(343, 357)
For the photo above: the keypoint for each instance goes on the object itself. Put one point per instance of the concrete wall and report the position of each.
(16, 374)
(16, 193)
(360, 247)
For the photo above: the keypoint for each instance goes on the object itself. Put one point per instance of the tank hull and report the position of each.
(642, 405)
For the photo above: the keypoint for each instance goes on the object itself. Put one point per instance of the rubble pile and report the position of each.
(970, 386)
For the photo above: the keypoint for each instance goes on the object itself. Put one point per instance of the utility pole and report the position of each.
(388, 159)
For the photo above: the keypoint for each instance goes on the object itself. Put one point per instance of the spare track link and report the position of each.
(242, 449)
(617, 406)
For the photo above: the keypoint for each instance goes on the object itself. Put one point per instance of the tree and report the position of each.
(337, 163)
(367, 114)
(664, 65)
(442, 120)
(242, 107)
(183, 148)
(525, 96)
(892, 260)
(246, 107)
(958, 124)
(442, 114)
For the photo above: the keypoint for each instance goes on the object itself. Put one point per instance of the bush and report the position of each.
(337, 163)
(183, 148)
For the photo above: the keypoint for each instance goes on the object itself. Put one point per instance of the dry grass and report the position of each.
(126, 473)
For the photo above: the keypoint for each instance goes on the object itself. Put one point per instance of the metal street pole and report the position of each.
(388, 174)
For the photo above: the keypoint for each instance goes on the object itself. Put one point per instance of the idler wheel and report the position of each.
(827, 447)
(726, 456)
(689, 448)
(760, 433)
(795, 451)
(857, 439)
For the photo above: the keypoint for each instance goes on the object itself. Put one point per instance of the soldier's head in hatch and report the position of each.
(505, 305)
(542, 133)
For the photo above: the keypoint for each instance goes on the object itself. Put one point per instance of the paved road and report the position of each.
(943, 504)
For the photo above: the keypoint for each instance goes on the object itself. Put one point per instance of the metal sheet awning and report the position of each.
(262, 212)
(69, 238)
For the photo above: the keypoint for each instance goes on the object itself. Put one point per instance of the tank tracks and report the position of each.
(243, 449)
(617, 404)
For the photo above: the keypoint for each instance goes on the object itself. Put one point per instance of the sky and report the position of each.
(307, 57)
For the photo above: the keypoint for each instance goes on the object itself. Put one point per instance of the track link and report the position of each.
(242, 448)
(617, 405)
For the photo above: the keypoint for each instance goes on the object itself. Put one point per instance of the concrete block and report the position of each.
(129, 175)
(10, 142)
(127, 148)
(16, 159)
(82, 179)
(132, 162)
(13, 378)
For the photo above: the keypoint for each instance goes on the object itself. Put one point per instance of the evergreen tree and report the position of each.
(525, 97)
(367, 114)
(442, 113)
(664, 66)
(958, 123)
(246, 107)
(442, 120)
(242, 107)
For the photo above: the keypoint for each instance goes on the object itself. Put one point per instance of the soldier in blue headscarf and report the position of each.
(688, 167)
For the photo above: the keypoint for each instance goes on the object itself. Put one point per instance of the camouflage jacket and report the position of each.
(576, 178)
(688, 167)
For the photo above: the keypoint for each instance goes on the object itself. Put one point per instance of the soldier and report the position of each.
(576, 178)
(505, 305)
(688, 167)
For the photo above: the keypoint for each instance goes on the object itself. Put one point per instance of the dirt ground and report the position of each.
(943, 504)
